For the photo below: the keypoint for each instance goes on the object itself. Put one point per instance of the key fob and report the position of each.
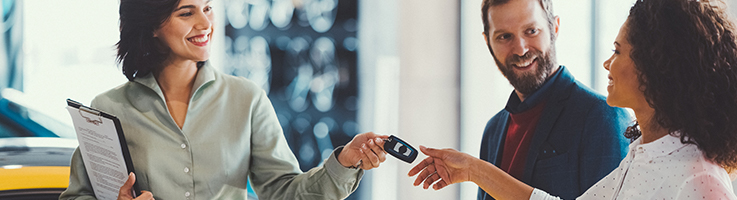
(400, 149)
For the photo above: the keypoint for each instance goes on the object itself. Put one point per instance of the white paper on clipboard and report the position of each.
(103, 155)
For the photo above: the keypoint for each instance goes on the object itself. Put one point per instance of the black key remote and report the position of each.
(400, 149)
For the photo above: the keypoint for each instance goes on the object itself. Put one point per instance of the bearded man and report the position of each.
(554, 134)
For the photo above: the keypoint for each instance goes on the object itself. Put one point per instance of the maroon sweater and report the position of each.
(517, 142)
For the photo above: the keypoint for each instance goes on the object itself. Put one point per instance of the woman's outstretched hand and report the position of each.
(442, 168)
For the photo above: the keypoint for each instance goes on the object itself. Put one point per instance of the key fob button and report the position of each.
(400, 149)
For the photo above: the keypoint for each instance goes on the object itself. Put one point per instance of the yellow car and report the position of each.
(34, 167)
(35, 152)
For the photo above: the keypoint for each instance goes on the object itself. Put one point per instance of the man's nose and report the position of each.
(520, 46)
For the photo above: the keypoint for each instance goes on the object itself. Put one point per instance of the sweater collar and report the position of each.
(559, 79)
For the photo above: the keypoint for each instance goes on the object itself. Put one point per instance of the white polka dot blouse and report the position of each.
(662, 169)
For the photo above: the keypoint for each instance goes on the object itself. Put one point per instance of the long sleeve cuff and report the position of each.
(343, 174)
(541, 195)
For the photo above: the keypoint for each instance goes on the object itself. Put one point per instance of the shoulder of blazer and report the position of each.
(567, 86)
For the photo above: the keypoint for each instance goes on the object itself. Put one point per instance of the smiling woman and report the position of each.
(219, 130)
(624, 89)
(187, 33)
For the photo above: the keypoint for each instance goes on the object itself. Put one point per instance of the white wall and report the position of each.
(68, 52)
(484, 90)
(410, 67)
(429, 110)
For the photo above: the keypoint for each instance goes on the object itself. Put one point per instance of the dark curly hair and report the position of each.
(139, 51)
(686, 57)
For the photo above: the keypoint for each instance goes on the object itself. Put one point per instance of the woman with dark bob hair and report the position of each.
(196, 133)
(675, 66)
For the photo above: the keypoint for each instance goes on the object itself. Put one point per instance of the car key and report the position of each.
(400, 149)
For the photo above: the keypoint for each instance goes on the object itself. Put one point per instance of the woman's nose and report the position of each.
(607, 63)
(203, 21)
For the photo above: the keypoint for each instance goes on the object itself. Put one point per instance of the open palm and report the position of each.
(442, 168)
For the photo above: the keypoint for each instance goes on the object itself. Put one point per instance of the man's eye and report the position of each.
(504, 36)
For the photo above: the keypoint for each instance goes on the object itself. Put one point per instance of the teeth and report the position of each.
(525, 63)
(199, 39)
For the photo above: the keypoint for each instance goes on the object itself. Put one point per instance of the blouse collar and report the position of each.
(205, 74)
(663, 146)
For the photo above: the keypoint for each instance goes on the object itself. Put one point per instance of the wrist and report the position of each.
(476, 170)
(341, 157)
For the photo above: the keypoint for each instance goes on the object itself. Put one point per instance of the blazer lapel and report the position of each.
(555, 105)
(496, 148)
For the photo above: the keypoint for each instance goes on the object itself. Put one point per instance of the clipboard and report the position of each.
(101, 138)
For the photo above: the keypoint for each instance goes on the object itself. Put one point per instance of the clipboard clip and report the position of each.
(97, 121)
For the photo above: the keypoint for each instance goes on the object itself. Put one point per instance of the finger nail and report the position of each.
(378, 140)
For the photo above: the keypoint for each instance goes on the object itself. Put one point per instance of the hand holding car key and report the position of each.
(391, 145)
(400, 149)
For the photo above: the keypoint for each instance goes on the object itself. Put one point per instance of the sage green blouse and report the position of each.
(231, 133)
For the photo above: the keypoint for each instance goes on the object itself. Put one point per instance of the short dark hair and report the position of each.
(547, 6)
(138, 51)
(686, 57)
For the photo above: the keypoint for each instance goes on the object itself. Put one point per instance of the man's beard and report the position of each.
(528, 82)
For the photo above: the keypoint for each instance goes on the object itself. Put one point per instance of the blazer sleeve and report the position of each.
(603, 144)
(275, 171)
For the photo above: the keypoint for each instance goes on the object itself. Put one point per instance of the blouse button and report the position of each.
(186, 194)
(184, 146)
(186, 169)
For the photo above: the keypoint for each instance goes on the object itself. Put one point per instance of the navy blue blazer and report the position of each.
(578, 140)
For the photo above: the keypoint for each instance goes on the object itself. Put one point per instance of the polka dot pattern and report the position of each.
(662, 169)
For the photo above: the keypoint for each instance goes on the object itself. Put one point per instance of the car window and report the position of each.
(17, 120)
(60, 129)
(10, 129)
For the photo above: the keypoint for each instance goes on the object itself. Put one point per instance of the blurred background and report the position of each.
(417, 69)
